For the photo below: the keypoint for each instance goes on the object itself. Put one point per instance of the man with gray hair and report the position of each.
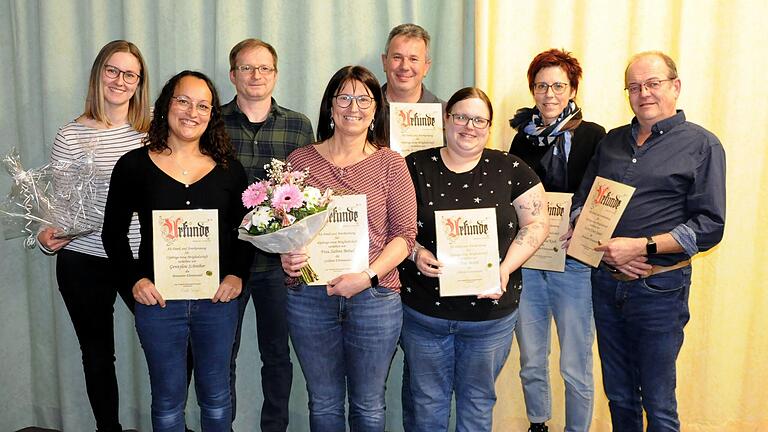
(406, 63)
(640, 290)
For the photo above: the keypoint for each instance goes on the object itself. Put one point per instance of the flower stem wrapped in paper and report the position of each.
(287, 214)
(61, 194)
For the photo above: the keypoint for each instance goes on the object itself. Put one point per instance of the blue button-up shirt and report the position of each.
(679, 176)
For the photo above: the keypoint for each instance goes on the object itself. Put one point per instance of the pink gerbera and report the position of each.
(287, 197)
(255, 194)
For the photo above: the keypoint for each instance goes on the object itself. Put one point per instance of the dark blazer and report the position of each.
(583, 146)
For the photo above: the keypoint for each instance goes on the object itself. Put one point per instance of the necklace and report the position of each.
(184, 171)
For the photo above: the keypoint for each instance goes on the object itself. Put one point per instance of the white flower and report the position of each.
(261, 216)
(312, 196)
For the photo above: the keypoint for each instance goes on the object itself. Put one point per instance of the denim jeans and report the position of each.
(268, 291)
(566, 297)
(89, 288)
(639, 334)
(164, 334)
(345, 345)
(446, 357)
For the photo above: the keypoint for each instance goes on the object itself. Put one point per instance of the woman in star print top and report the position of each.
(459, 344)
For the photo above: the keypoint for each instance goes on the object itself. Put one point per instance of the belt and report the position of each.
(656, 269)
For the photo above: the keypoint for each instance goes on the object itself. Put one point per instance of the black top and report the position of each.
(583, 146)
(497, 180)
(138, 185)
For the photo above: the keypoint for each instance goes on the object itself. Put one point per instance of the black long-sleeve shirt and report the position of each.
(138, 185)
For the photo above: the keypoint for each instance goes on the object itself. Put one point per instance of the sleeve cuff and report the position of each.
(686, 237)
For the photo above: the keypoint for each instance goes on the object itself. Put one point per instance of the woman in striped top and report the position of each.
(345, 332)
(115, 120)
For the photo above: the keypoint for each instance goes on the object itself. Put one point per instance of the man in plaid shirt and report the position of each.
(260, 130)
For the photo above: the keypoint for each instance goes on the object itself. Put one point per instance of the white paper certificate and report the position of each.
(551, 255)
(185, 245)
(468, 248)
(415, 126)
(342, 245)
(602, 210)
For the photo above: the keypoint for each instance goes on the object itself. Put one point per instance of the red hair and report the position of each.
(555, 57)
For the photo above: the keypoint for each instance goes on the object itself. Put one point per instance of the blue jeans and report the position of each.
(446, 357)
(566, 297)
(164, 334)
(268, 291)
(345, 345)
(639, 334)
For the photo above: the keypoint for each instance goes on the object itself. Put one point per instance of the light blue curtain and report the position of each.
(46, 51)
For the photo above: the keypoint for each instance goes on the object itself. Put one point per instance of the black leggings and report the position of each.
(89, 286)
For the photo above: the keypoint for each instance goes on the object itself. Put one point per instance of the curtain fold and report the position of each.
(46, 52)
(719, 49)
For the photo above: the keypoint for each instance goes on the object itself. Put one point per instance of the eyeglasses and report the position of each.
(463, 120)
(113, 72)
(345, 100)
(249, 69)
(650, 85)
(186, 104)
(557, 88)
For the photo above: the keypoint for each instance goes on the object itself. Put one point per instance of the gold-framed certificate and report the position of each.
(342, 245)
(599, 216)
(468, 248)
(185, 245)
(415, 126)
(551, 255)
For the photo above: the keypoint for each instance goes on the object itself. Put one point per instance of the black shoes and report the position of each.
(538, 427)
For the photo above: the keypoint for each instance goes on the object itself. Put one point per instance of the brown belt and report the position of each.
(656, 269)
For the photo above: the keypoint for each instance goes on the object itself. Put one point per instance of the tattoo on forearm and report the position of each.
(528, 235)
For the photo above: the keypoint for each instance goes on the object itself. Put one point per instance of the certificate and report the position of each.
(185, 245)
(415, 126)
(342, 245)
(602, 210)
(551, 255)
(468, 248)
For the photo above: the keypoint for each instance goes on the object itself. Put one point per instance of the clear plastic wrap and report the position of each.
(59, 194)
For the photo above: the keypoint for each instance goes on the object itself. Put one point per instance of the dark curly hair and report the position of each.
(379, 136)
(214, 142)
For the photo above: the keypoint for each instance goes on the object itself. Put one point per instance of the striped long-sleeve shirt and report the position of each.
(71, 143)
(384, 179)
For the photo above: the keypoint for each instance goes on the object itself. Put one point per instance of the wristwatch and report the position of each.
(372, 276)
(650, 247)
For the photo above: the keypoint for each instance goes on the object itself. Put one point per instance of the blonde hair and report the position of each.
(138, 108)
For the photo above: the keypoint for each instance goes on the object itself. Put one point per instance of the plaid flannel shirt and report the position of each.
(282, 132)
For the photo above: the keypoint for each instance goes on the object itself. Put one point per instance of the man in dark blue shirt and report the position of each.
(640, 290)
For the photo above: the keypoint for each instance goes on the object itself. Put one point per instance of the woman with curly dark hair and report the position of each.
(185, 164)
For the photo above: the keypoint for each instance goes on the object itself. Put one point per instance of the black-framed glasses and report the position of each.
(249, 69)
(345, 100)
(128, 76)
(186, 104)
(557, 87)
(463, 120)
(650, 85)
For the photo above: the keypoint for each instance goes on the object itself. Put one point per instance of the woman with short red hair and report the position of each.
(557, 144)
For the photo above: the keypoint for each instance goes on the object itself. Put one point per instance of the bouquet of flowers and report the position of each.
(287, 214)
(60, 194)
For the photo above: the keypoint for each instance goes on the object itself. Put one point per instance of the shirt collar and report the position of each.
(662, 126)
(233, 108)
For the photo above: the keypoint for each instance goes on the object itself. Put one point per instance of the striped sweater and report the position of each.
(71, 143)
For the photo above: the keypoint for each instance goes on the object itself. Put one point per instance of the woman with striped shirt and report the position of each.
(115, 120)
(345, 332)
